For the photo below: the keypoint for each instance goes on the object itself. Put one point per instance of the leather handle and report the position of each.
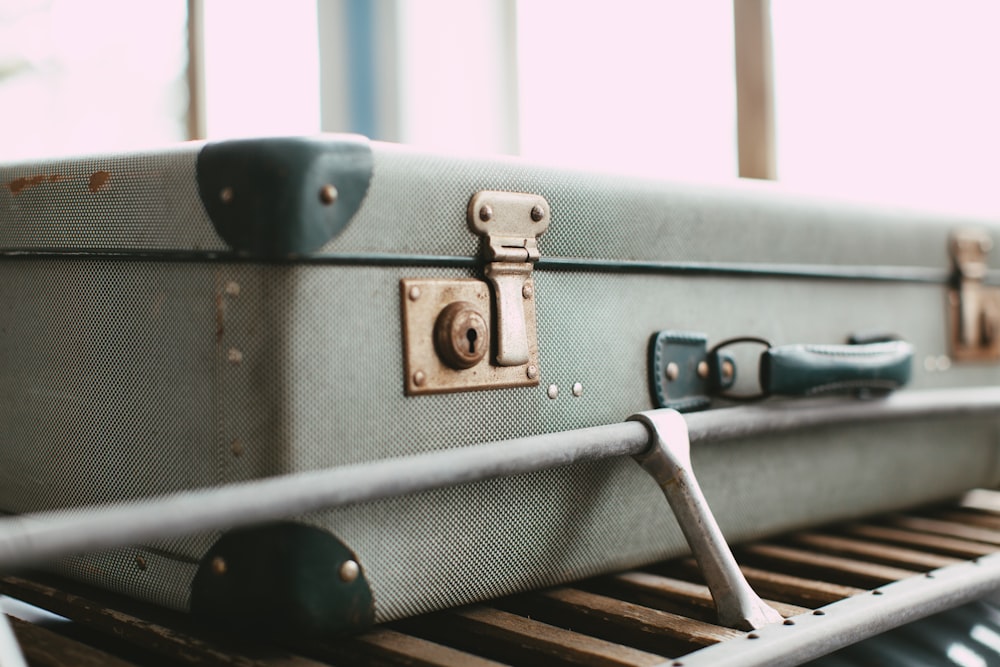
(804, 370)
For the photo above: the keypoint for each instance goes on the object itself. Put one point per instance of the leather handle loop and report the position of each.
(806, 370)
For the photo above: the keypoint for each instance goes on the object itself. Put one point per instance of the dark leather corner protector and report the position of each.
(282, 580)
(269, 198)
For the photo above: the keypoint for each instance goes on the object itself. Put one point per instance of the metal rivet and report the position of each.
(219, 566)
(532, 372)
(942, 363)
(486, 213)
(527, 291)
(930, 364)
(578, 389)
(728, 370)
(419, 378)
(349, 571)
(819, 612)
(414, 293)
(233, 288)
(226, 195)
(753, 635)
(553, 391)
(672, 371)
(140, 562)
(789, 621)
(236, 447)
(234, 356)
(328, 194)
(703, 369)
(537, 213)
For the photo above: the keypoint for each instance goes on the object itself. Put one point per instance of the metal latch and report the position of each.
(466, 334)
(510, 223)
(973, 307)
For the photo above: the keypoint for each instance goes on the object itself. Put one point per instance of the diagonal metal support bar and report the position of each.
(668, 460)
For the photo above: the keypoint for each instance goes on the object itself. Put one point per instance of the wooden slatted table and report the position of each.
(650, 616)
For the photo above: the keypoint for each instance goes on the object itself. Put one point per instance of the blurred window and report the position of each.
(98, 75)
(885, 98)
(890, 99)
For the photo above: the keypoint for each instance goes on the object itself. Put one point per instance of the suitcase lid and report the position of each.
(341, 197)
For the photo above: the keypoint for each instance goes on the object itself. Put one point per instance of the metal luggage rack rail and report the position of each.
(843, 583)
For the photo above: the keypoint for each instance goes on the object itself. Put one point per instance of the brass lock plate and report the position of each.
(435, 309)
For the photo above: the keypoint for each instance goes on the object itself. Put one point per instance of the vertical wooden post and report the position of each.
(195, 71)
(754, 88)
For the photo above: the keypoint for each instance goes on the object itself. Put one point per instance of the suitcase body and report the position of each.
(216, 313)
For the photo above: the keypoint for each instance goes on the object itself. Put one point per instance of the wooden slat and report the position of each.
(652, 590)
(178, 645)
(874, 552)
(546, 642)
(947, 528)
(970, 517)
(949, 546)
(848, 571)
(520, 639)
(636, 618)
(42, 647)
(781, 586)
(403, 649)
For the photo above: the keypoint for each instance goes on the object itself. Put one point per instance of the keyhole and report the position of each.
(471, 335)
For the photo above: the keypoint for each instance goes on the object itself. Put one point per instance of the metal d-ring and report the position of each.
(713, 360)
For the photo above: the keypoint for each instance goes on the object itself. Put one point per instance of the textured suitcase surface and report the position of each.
(214, 313)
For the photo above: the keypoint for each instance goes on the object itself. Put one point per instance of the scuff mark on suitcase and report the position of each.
(19, 184)
(98, 180)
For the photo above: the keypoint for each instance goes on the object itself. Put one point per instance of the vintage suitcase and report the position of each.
(220, 312)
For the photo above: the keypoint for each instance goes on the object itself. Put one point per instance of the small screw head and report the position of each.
(328, 194)
(419, 378)
(226, 195)
(577, 389)
(703, 370)
(528, 291)
(414, 293)
(349, 571)
(140, 562)
(532, 372)
(486, 213)
(672, 371)
(219, 566)
(537, 213)
(728, 370)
